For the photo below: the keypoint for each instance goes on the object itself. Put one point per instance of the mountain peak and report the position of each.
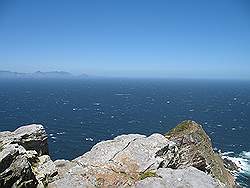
(39, 75)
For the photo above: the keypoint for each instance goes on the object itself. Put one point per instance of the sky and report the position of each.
(128, 38)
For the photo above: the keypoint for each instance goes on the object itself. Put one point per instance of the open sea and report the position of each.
(79, 113)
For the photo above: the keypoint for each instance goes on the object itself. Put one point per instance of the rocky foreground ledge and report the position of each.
(184, 157)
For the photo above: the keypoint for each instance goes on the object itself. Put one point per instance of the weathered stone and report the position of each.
(143, 153)
(74, 178)
(31, 137)
(45, 169)
(22, 163)
(103, 152)
(70, 182)
(189, 177)
(18, 174)
(117, 162)
(8, 154)
(63, 166)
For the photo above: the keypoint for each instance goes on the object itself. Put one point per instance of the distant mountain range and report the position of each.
(41, 75)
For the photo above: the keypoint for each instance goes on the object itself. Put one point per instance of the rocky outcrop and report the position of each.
(31, 137)
(182, 158)
(195, 149)
(23, 158)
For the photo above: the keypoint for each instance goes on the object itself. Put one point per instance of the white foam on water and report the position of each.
(60, 133)
(227, 153)
(89, 139)
(242, 160)
(122, 94)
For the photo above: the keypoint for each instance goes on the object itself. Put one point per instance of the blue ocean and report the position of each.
(79, 113)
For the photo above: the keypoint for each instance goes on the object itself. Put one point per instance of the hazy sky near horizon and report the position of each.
(142, 38)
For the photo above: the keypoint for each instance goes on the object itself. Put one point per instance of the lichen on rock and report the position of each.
(147, 174)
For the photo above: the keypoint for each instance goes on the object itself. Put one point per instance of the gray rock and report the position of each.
(189, 177)
(8, 154)
(31, 137)
(22, 159)
(74, 178)
(116, 163)
(103, 152)
(143, 153)
(45, 169)
(63, 166)
(18, 174)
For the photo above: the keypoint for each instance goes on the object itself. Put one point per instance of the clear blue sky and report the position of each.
(157, 38)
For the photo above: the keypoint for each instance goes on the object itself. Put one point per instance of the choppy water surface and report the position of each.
(79, 113)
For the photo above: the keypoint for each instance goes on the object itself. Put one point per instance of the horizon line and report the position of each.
(131, 76)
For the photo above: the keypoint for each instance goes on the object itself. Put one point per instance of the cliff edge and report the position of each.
(182, 158)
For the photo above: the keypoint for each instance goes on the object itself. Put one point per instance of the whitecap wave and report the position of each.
(89, 139)
(242, 160)
(122, 94)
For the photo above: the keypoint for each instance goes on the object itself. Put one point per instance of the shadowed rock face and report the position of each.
(182, 158)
